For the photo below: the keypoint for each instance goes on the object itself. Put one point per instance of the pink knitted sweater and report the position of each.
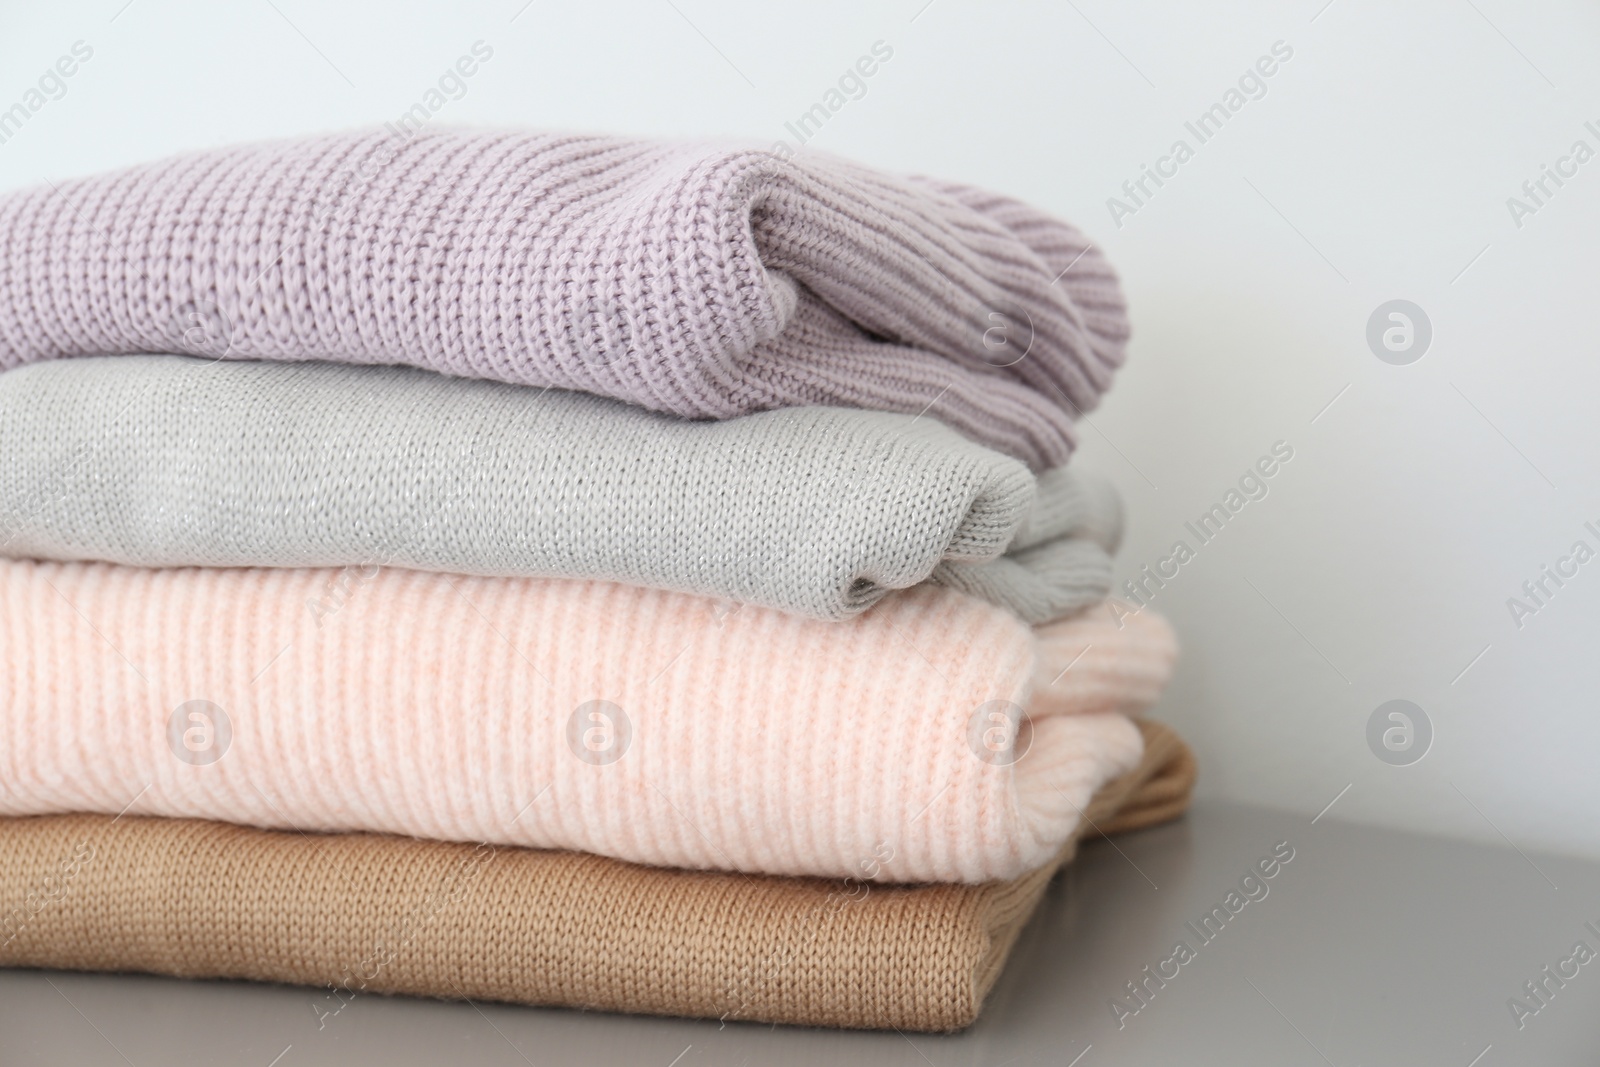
(701, 279)
(655, 727)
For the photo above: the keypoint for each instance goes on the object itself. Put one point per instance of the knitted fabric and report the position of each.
(358, 914)
(654, 727)
(173, 461)
(1059, 557)
(707, 280)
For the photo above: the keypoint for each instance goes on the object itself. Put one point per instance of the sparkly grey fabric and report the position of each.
(175, 461)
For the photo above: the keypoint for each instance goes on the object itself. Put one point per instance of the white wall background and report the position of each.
(1377, 166)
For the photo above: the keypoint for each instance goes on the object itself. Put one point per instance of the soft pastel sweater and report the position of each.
(703, 279)
(172, 461)
(655, 727)
(357, 914)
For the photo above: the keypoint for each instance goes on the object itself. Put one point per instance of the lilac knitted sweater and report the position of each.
(701, 279)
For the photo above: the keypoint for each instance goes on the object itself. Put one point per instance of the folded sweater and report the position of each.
(703, 279)
(649, 726)
(169, 461)
(358, 914)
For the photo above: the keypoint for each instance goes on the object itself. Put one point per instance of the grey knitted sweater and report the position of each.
(174, 461)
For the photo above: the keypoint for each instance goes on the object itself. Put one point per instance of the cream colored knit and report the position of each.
(661, 728)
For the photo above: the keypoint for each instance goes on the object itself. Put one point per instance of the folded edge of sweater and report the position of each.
(358, 913)
(650, 726)
(700, 278)
(163, 460)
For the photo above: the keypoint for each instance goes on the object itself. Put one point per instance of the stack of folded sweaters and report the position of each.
(559, 570)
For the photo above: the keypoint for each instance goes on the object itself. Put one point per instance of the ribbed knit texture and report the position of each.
(461, 709)
(707, 280)
(364, 914)
(172, 461)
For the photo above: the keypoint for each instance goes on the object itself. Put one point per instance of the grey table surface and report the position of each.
(1370, 947)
